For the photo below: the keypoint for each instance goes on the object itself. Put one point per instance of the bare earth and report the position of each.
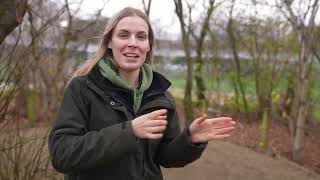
(227, 161)
(239, 159)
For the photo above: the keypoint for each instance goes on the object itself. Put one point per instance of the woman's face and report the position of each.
(130, 43)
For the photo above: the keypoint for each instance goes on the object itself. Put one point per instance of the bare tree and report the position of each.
(263, 43)
(21, 156)
(11, 16)
(200, 40)
(51, 71)
(233, 43)
(12, 13)
(32, 79)
(147, 7)
(185, 25)
(304, 24)
(316, 44)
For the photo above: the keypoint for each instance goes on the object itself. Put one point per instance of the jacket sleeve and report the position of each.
(176, 149)
(73, 148)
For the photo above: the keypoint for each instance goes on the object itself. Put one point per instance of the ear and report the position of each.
(109, 45)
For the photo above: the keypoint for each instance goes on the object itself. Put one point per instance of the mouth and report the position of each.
(131, 55)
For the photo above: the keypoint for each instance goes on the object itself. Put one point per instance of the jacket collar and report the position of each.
(106, 90)
(158, 86)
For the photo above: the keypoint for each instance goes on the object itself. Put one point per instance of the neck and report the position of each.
(132, 77)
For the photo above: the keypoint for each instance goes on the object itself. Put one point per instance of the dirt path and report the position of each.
(226, 161)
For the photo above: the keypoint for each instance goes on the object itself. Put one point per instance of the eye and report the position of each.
(142, 37)
(123, 35)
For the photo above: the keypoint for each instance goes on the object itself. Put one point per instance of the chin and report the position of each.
(131, 67)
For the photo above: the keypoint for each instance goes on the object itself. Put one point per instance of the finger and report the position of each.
(215, 127)
(201, 119)
(160, 112)
(161, 117)
(223, 130)
(154, 136)
(222, 125)
(218, 137)
(157, 123)
(219, 120)
(156, 129)
(225, 122)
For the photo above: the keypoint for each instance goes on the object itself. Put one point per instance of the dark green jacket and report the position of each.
(92, 137)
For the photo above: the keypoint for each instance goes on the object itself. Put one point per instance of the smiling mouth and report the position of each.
(131, 55)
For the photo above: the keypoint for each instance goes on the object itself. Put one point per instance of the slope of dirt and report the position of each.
(248, 135)
(226, 161)
(241, 153)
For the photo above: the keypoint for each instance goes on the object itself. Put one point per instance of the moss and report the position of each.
(316, 116)
(231, 105)
(31, 109)
(264, 131)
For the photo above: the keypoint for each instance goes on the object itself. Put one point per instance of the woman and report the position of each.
(117, 119)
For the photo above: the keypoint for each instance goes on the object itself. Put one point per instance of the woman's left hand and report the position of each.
(203, 129)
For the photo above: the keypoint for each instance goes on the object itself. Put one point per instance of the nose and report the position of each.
(133, 42)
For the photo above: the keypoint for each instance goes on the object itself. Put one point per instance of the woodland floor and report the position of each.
(240, 158)
(248, 135)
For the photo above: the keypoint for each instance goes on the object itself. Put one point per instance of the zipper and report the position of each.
(142, 153)
(143, 160)
(142, 142)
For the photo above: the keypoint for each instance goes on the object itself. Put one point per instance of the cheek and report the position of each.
(145, 47)
(118, 45)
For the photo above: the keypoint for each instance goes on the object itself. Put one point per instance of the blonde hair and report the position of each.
(103, 50)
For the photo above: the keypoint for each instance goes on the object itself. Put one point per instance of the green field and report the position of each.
(226, 88)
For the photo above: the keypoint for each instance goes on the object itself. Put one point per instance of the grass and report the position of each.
(180, 83)
(227, 90)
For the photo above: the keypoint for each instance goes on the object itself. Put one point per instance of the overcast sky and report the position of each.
(162, 12)
(163, 15)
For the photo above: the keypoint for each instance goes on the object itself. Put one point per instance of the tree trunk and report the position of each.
(264, 127)
(201, 88)
(31, 108)
(236, 91)
(185, 31)
(288, 104)
(298, 142)
(147, 7)
(217, 78)
(188, 107)
(11, 15)
(237, 62)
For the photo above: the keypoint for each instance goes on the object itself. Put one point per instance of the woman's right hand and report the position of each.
(151, 125)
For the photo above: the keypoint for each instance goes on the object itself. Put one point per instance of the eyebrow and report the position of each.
(124, 30)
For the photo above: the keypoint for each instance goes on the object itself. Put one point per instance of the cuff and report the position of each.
(188, 137)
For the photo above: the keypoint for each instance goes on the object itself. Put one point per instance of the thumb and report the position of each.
(156, 113)
(201, 119)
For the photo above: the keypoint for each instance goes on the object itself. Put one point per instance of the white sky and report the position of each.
(163, 17)
(162, 13)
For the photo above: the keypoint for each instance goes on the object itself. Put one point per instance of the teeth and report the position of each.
(131, 55)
